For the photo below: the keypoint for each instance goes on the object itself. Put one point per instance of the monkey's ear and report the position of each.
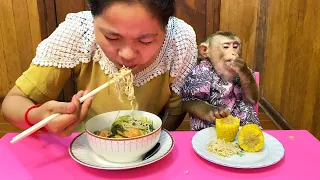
(204, 50)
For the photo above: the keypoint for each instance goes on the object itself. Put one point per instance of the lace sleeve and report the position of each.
(70, 44)
(185, 54)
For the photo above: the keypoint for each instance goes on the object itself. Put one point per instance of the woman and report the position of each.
(142, 35)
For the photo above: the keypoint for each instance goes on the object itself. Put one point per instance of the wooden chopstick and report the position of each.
(45, 121)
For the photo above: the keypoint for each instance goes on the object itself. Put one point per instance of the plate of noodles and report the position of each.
(237, 153)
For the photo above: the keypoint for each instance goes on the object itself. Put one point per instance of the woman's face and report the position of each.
(129, 35)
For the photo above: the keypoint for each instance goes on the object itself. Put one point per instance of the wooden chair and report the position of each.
(256, 106)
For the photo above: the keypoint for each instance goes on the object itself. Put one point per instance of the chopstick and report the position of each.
(45, 121)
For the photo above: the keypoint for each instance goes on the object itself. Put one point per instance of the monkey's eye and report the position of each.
(235, 46)
(225, 46)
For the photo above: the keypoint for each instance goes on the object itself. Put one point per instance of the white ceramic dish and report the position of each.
(124, 149)
(272, 152)
(82, 153)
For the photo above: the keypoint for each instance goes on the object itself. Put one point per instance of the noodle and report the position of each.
(124, 85)
(126, 127)
(221, 148)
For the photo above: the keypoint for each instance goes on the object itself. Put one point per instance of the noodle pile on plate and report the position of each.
(221, 148)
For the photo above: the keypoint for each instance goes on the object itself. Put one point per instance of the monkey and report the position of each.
(221, 84)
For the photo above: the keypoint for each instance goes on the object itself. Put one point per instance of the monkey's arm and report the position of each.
(172, 122)
(203, 110)
(250, 91)
(172, 114)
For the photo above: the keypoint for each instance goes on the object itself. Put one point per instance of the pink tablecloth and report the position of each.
(48, 158)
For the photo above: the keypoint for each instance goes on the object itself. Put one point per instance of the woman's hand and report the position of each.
(72, 114)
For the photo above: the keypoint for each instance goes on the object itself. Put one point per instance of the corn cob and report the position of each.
(227, 128)
(251, 138)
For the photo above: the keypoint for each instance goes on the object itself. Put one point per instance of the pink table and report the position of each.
(48, 158)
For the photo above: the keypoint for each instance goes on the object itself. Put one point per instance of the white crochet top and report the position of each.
(73, 42)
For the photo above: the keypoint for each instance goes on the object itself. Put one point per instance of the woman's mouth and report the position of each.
(130, 66)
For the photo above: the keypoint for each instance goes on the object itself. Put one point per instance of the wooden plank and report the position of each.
(42, 18)
(2, 134)
(308, 119)
(274, 115)
(209, 17)
(10, 41)
(275, 54)
(294, 66)
(7, 127)
(315, 130)
(225, 16)
(216, 15)
(296, 93)
(23, 33)
(4, 88)
(35, 27)
(240, 17)
(64, 7)
(212, 16)
(47, 17)
(193, 12)
(261, 35)
(51, 14)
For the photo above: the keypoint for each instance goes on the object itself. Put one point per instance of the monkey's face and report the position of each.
(222, 50)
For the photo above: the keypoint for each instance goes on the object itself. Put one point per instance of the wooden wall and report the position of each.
(200, 14)
(291, 83)
(281, 41)
(240, 17)
(19, 37)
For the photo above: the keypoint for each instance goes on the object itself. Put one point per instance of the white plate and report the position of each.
(271, 153)
(82, 153)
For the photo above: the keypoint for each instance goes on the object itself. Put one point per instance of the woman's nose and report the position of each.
(127, 53)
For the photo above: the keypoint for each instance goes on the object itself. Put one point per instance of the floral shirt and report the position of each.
(203, 83)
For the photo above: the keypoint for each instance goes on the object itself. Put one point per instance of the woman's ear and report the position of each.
(204, 50)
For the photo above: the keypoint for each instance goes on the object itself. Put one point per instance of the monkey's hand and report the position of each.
(238, 65)
(249, 86)
(217, 112)
(205, 111)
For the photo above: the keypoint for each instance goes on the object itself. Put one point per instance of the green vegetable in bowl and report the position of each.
(127, 126)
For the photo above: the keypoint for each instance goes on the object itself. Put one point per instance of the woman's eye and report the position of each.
(111, 39)
(146, 43)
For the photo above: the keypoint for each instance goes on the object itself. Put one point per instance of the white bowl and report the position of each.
(124, 149)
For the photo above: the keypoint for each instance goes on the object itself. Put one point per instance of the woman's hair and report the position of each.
(162, 9)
